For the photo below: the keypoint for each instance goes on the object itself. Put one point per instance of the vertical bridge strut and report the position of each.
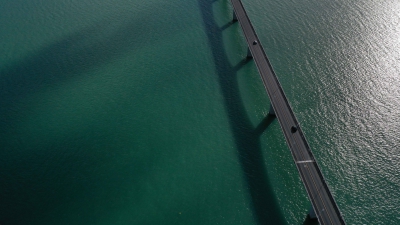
(324, 206)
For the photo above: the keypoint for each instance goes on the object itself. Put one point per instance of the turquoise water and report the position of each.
(145, 112)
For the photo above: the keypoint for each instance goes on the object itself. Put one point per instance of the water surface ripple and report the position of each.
(145, 112)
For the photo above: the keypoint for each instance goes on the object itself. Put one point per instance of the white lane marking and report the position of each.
(305, 161)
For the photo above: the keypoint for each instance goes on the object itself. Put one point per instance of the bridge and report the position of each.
(324, 207)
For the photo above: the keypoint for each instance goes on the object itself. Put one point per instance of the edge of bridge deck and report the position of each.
(318, 192)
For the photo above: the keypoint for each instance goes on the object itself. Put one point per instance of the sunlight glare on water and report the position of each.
(145, 112)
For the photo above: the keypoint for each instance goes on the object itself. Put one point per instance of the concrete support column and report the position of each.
(271, 110)
(249, 53)
(312, 214)
(234, 18)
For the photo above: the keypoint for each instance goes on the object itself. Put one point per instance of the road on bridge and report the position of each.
(321, 198)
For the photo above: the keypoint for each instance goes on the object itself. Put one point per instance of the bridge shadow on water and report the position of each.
(246, 137)
(309, 221)
(57, 173)
(72, 56)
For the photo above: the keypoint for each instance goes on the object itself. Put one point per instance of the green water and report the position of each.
(146, 112)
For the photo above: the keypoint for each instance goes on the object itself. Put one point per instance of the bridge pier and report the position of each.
(271, 110)
(234, 17)
(249, 55)
(312, 214)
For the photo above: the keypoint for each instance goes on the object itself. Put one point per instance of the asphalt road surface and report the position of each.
(321, 198)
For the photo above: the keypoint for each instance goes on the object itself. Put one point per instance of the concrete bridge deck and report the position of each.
(323, 203)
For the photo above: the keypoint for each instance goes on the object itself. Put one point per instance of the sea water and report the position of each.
(147, 112)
